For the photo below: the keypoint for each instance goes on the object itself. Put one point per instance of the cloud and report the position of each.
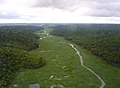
(108, 9)
(99, 8)
(9, 15)
(2, 1)
(104, 13)
(60, 11)
(60, 4)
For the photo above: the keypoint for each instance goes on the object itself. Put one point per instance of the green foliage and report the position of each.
(102, 40)
(14, 46)
(11, 60)
(63, 63)
(14, 36)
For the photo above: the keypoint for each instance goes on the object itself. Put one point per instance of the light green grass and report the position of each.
(58, 55)
(109, 73)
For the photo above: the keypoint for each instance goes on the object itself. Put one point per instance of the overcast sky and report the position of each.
(59, 11)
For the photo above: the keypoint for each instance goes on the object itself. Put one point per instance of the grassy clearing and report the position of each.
(110, 74)
(63, 68)
(62, 62)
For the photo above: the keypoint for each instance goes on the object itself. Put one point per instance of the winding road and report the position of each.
(82, 64)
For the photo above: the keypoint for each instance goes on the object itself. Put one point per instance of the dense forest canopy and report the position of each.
(21, 36)
(15, 44)
(102, 40)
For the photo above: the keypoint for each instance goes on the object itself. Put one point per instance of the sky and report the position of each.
(59, 11)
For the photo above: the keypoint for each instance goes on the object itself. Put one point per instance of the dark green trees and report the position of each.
(101, 39)
(15, 42)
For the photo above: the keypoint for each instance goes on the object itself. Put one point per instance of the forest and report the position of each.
(102, 40)
(15, 44)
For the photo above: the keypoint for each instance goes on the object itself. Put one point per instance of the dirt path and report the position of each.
(82, 64)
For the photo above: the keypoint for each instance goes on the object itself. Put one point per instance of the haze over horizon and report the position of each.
(59, 11)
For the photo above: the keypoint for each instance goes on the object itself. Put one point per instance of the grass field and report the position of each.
(63, 69)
